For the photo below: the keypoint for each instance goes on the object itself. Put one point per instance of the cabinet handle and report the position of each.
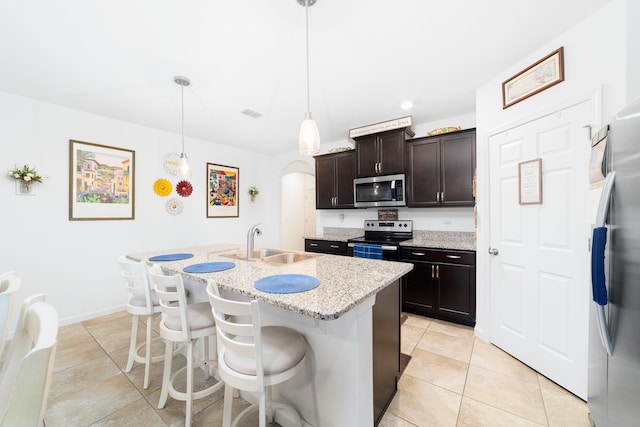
(454, 256)
(313, 245)
(437, 272)
(418, 253)
(442, 196)
(438, 196)
(380, 167)
(432, 270)
(334, 246)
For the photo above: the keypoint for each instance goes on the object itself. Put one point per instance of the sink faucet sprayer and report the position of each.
(250, 236)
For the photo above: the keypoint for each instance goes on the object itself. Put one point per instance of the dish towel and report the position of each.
(367, 250)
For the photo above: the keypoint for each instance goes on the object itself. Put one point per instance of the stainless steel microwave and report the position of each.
(377, 191)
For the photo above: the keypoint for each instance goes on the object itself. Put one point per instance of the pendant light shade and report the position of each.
(184, 168)
(309, 139)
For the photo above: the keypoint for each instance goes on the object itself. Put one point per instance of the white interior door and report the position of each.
(539, 276)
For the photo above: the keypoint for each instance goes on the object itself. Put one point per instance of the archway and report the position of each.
(297, 185)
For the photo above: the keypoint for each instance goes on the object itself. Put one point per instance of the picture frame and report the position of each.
(223, 183)
(101, 182)
(547, 72)
(530, 182)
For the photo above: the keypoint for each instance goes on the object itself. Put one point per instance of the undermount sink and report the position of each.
(273, 256)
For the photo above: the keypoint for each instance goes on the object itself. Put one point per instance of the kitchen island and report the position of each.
(351, 321)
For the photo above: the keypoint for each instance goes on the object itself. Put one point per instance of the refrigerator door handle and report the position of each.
(598, 279)
(598, 284)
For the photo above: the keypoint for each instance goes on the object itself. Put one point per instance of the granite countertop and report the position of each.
(345, 282)
(337, 234)
(457, 240)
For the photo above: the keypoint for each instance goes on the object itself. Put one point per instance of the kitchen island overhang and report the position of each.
(337, 318)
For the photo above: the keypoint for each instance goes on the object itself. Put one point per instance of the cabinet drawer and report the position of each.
(438, 255)
(325, 246)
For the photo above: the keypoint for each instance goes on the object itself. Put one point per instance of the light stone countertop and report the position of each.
(337, 234)
(345, 282)
(458, 240)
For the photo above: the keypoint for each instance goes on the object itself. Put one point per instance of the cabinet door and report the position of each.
(418, 290)
(423, 181)
(391, 152)
(457, 292)
(325, 246)
(367, 155)
(458, 158)
(345, 172)
(325, 182)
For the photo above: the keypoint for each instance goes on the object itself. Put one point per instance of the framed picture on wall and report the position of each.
(101, 182)
(222, 191)
(542, 75)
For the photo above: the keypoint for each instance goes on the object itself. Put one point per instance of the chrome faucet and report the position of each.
(250, 236)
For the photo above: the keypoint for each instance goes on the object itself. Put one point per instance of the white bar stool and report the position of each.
(253, 357)
(183, 323)
(142, 303)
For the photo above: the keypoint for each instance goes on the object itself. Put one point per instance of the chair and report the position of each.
(9, 286)
(183, 323)
(27, 374)
(142, 302)
(253, 358)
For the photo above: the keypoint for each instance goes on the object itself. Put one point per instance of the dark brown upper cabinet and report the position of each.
(334, 180)
(381, 153)
(440, 170)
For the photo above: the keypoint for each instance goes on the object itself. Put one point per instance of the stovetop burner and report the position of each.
(385, 232)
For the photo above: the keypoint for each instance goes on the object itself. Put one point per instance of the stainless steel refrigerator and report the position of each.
(614, 341)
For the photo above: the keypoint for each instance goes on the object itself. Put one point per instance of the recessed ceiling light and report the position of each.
(406, 105)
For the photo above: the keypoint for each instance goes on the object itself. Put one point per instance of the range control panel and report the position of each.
(389, 225)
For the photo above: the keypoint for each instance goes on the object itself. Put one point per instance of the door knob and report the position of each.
(493, 251)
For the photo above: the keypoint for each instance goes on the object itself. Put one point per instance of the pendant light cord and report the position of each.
(182, 105)
(306, 7)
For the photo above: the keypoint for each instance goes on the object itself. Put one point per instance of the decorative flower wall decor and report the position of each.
(26, 174)
(25, 177)
(184, 188)
(162, 187)
(253, 192)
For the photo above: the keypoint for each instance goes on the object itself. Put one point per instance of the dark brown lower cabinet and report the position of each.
(442, 284)
(386, 348)
(325, 246)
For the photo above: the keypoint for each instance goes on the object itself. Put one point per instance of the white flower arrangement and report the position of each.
(253, 191)
(26, 174)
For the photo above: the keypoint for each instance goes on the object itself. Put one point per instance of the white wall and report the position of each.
(73, 262)
(595, 53)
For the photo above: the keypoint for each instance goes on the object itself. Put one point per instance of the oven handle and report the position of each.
(384, 247)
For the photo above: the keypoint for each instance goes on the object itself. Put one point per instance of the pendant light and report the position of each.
(309, 139)
(184, 169)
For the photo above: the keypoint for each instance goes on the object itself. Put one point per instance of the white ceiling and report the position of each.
(117, 58)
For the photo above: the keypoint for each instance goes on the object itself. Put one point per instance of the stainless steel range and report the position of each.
(381, 237)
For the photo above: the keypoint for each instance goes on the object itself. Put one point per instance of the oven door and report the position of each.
(373, 251)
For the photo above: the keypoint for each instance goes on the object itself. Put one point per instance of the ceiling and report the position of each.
(118, 58)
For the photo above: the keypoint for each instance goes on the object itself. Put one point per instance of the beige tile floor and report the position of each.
(453, 379)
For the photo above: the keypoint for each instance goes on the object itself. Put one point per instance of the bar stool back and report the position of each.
(9, 286)
(253, 357)
(142, 304)
(185, 324)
